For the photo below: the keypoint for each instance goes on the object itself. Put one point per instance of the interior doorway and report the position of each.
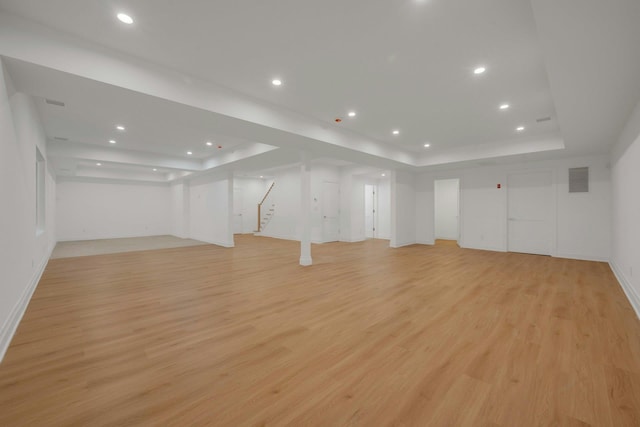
(370, 214)
(447, 209)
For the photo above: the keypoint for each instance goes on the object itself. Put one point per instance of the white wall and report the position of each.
(23, 254)
(446, 208)
(403, 209)
(625, 247)
(180, 201)
(90, 209)
(582, 220)
(211, 210)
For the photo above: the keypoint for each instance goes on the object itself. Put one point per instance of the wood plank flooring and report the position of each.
(367, 336)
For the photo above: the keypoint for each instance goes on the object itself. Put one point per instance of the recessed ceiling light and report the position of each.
(209, 143)
(276, 82)
(123, 17)
(112, 141)
(352, 114)
(427, 145)
(98, 164)
(395, 132)
(261, 176)
(504, 106)
(384, 174)
(155, 170)
(479, 70)
(189, 153)
(520, 128)
(120, 127)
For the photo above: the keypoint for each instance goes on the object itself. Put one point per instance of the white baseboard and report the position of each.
(631, 294)
(9, 328)
(352, 240)
(426, 242)
(581, 257)
(399, 245)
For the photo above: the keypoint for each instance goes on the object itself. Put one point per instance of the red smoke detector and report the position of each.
(338, 120)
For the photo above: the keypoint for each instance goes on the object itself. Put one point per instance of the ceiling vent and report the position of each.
(579, 180)
(59, 138)
(543, 119)
(54, 102)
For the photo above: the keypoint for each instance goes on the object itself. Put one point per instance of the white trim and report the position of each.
(425, 242)
(9, 328)
(360, 239)
(581, 257)
(631, 294)
(399, 245)
(305, 261)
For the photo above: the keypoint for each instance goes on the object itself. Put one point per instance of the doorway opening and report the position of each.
(447, 209)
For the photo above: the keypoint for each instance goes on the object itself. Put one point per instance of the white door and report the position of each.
(237, 211)
(529, 207)
(330, 211)
(370, 211)
(447, 208)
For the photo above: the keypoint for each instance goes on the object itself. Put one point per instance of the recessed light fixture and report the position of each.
(351, 114)
(479, 70)
(189, 153)
(120, 127)
(276, 82)
(112, 141)
(520, 128)
(123, 17)
(261, 176)
(504, 106)
(383, 174)
(209, 143)
(427, 145)
(396, 132)
(98, 164)
(155, 170)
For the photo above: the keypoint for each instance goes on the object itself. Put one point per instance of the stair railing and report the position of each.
(260, 206)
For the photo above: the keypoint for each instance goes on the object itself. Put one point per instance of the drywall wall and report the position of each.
(581, 220)
(403, 209)
(446, 208)
(24, 251)
(91, 209)
(180, 209)
(211, 210)
(383, 220)
(625, 236)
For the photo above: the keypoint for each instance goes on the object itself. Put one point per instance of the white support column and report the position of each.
(305, 211)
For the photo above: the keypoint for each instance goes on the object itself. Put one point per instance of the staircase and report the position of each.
(266, 210)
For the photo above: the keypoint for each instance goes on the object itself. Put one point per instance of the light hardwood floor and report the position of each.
(367, 336)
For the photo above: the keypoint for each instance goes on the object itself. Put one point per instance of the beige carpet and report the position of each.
(111, 246)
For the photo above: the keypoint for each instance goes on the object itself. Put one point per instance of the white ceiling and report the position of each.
(403, 65)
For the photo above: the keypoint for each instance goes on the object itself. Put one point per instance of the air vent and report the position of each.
(59, 138)
(543, 119)
(579, 180)
(54, 102)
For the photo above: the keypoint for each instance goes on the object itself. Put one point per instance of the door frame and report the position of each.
(553, 217)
